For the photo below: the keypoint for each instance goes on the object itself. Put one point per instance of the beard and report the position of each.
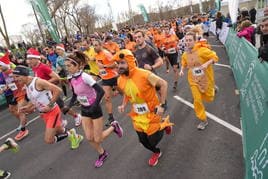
(123, 71)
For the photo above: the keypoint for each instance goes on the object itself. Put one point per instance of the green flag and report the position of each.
(144, 13)
(218, 5)
(41, 8)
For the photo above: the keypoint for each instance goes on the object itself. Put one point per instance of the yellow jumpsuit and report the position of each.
(202, 86)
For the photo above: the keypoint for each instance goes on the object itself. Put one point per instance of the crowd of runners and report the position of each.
(101, 66)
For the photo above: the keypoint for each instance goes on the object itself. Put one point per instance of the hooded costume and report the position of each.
(138, 89)
(201, 81)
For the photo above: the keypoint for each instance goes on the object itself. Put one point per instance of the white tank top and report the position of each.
(40, 99)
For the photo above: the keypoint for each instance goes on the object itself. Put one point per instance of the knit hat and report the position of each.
(4, 60)
(21, 70)
(60, 46)
(33, 53)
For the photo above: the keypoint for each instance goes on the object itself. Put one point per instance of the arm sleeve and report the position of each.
(88, 79)
(183, 60)
(208, 54)
(73, 99)
(100, 93)
(152, 78)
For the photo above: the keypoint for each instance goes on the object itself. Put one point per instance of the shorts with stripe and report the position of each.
(52, 118)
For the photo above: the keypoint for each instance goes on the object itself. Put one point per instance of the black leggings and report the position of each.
(150, 142)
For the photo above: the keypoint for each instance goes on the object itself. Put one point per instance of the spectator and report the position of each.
(219, 20)
(252, 14)
(247, 31)
(263, 50)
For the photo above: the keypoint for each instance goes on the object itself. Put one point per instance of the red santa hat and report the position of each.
(33, 53)
(60, 46)
(4, 60)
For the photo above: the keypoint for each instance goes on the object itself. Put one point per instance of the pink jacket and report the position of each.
(247, 33)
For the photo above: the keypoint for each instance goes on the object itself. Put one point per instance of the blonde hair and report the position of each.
(245, 23)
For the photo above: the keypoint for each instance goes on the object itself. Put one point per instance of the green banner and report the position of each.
(2, 99)
(252, 81)
(218, 5)
(144, 13)
(42, 11)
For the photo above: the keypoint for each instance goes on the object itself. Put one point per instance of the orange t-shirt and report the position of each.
(170, 43)
(111, 47)
(105, 57)
(131, 46)
(158, 38)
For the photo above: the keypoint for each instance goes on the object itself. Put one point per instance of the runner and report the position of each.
(169, 45)
(60, 68)
(199, 62)
(42, 96)
(138, 87)
(90, 53)
(89, 94)
(146, 56)
(15, 95)
(111, 46)
(108, 75)
(9, 144)
(44, 72)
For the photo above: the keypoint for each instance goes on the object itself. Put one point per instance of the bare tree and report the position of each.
(54, 6)
(73, 13)
(87, 18)
(4, 31)
(31, 33)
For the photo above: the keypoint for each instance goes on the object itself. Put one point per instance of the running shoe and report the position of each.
(4, 174)
(168, 130)
(102, 157)
(12, 145)
(154, 159)
(21, 135)
(202, 125)
(117, 128)
(77, 120)
(75, 139)
(20, 126)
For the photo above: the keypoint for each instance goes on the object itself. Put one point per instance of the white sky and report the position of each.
(19, 12)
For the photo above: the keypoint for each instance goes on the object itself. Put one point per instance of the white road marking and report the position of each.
(28, 123)
(213, 117)
(223, 65)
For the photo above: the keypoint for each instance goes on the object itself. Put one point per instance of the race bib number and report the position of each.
(83, 100)
(103, 72)
(171, 50)
(12, 86)
(141, 108)
(197, 71)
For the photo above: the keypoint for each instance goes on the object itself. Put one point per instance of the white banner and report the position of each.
(222, 33)
(233, 9)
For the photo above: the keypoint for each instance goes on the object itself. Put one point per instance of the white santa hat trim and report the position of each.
(33, 56)
(59, 47)
(4, 64)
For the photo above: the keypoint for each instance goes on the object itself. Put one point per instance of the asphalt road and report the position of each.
(215, 153)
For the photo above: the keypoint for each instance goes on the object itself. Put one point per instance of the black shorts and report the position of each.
(88, 111)
(11, 100)
(161, 53)
(173, 59)
(110, 82)
(60, 102)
